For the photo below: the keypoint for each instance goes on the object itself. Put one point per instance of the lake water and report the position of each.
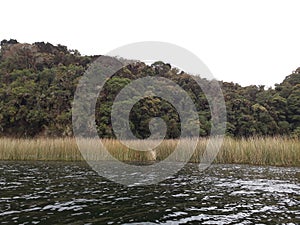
(61, 193)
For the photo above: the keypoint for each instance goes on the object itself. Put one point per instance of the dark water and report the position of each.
(60, 193)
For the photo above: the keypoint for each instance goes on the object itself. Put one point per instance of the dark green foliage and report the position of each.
(38, 82)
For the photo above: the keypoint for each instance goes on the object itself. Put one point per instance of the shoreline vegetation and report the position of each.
(37, 86)
(271, 151)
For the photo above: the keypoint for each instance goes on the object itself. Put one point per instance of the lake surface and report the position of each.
(60, 192)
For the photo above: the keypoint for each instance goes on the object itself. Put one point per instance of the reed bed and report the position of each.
(39, 149)
(274, 151)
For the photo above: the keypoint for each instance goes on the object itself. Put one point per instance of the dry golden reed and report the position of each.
(275, 151)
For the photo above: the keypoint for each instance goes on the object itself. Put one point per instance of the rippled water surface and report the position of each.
(56, 193)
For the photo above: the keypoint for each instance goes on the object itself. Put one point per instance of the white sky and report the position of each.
(247, 42)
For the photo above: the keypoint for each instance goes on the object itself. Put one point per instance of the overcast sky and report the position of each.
(247, 42)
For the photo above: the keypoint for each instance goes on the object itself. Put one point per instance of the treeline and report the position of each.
(38, 82)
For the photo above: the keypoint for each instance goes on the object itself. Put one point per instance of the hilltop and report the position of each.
(38, 82)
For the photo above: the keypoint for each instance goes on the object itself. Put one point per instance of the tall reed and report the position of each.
(277, 151)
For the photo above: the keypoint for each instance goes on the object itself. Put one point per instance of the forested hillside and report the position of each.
(38, 81)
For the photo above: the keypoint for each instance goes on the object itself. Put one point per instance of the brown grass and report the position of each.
(275, 151)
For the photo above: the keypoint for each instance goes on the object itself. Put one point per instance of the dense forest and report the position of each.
(38, 82)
